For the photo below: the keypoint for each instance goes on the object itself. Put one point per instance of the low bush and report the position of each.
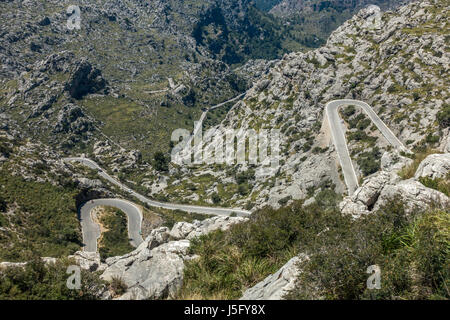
(369, 161)
(233, 260)
(412, 253)
(439, 184)
(114, 241)
(37, 281)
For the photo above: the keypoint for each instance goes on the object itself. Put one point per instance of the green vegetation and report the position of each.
(412, 253)
(5, 148)
(361, 136)
(114, 241)
(37, 281)
(439, 184)
(215, 198)
(409, 170)
(44, 220)
(348, 111)
(173, 216)
(369, 161)
(160, 162)
(443, 117)
(259, 35)
(242, 256)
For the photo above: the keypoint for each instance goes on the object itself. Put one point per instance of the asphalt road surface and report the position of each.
(340, 142)
(91, 230)
(171, 206)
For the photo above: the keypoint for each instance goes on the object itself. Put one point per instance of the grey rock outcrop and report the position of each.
(434, 166)
(186, 230)
(155, 269)
(71, 119)
(85, 79)
(277, 285)
(379, 189)
(414, 195)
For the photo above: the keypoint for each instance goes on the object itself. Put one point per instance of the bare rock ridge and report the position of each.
(384, 186)
(155, 269)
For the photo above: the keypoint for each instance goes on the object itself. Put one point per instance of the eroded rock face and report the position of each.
(277, 285)
(155, 269)
(365, 197)
(434, 166)
(414, 195)
(85, 79)
(186, 230)
(88, 260)
(378, 190)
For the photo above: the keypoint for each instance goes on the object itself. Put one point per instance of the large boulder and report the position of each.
(155, 269)
(434, 166)
(277, 285)
(414, 195)
(88, 260)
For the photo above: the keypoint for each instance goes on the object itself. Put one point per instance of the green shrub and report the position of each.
(439, 184)
(369, 162)
(243, 189)
(443, 116)
(114, 241)
(37, 281)
(215, 198)
(245, 254)
(409, 170)
(45, 218)
(412, 253)
(432, 139)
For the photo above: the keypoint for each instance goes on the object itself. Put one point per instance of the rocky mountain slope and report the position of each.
(288, 8)
(138, 58)
(399, 67)
(312, 21)
(118, 97)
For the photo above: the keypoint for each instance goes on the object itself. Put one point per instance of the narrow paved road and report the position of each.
(336, 123)
(171, 206)
(91, 230)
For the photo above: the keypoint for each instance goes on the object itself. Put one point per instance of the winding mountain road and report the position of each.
(336, 123)
(91, 230)
(171, 206)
